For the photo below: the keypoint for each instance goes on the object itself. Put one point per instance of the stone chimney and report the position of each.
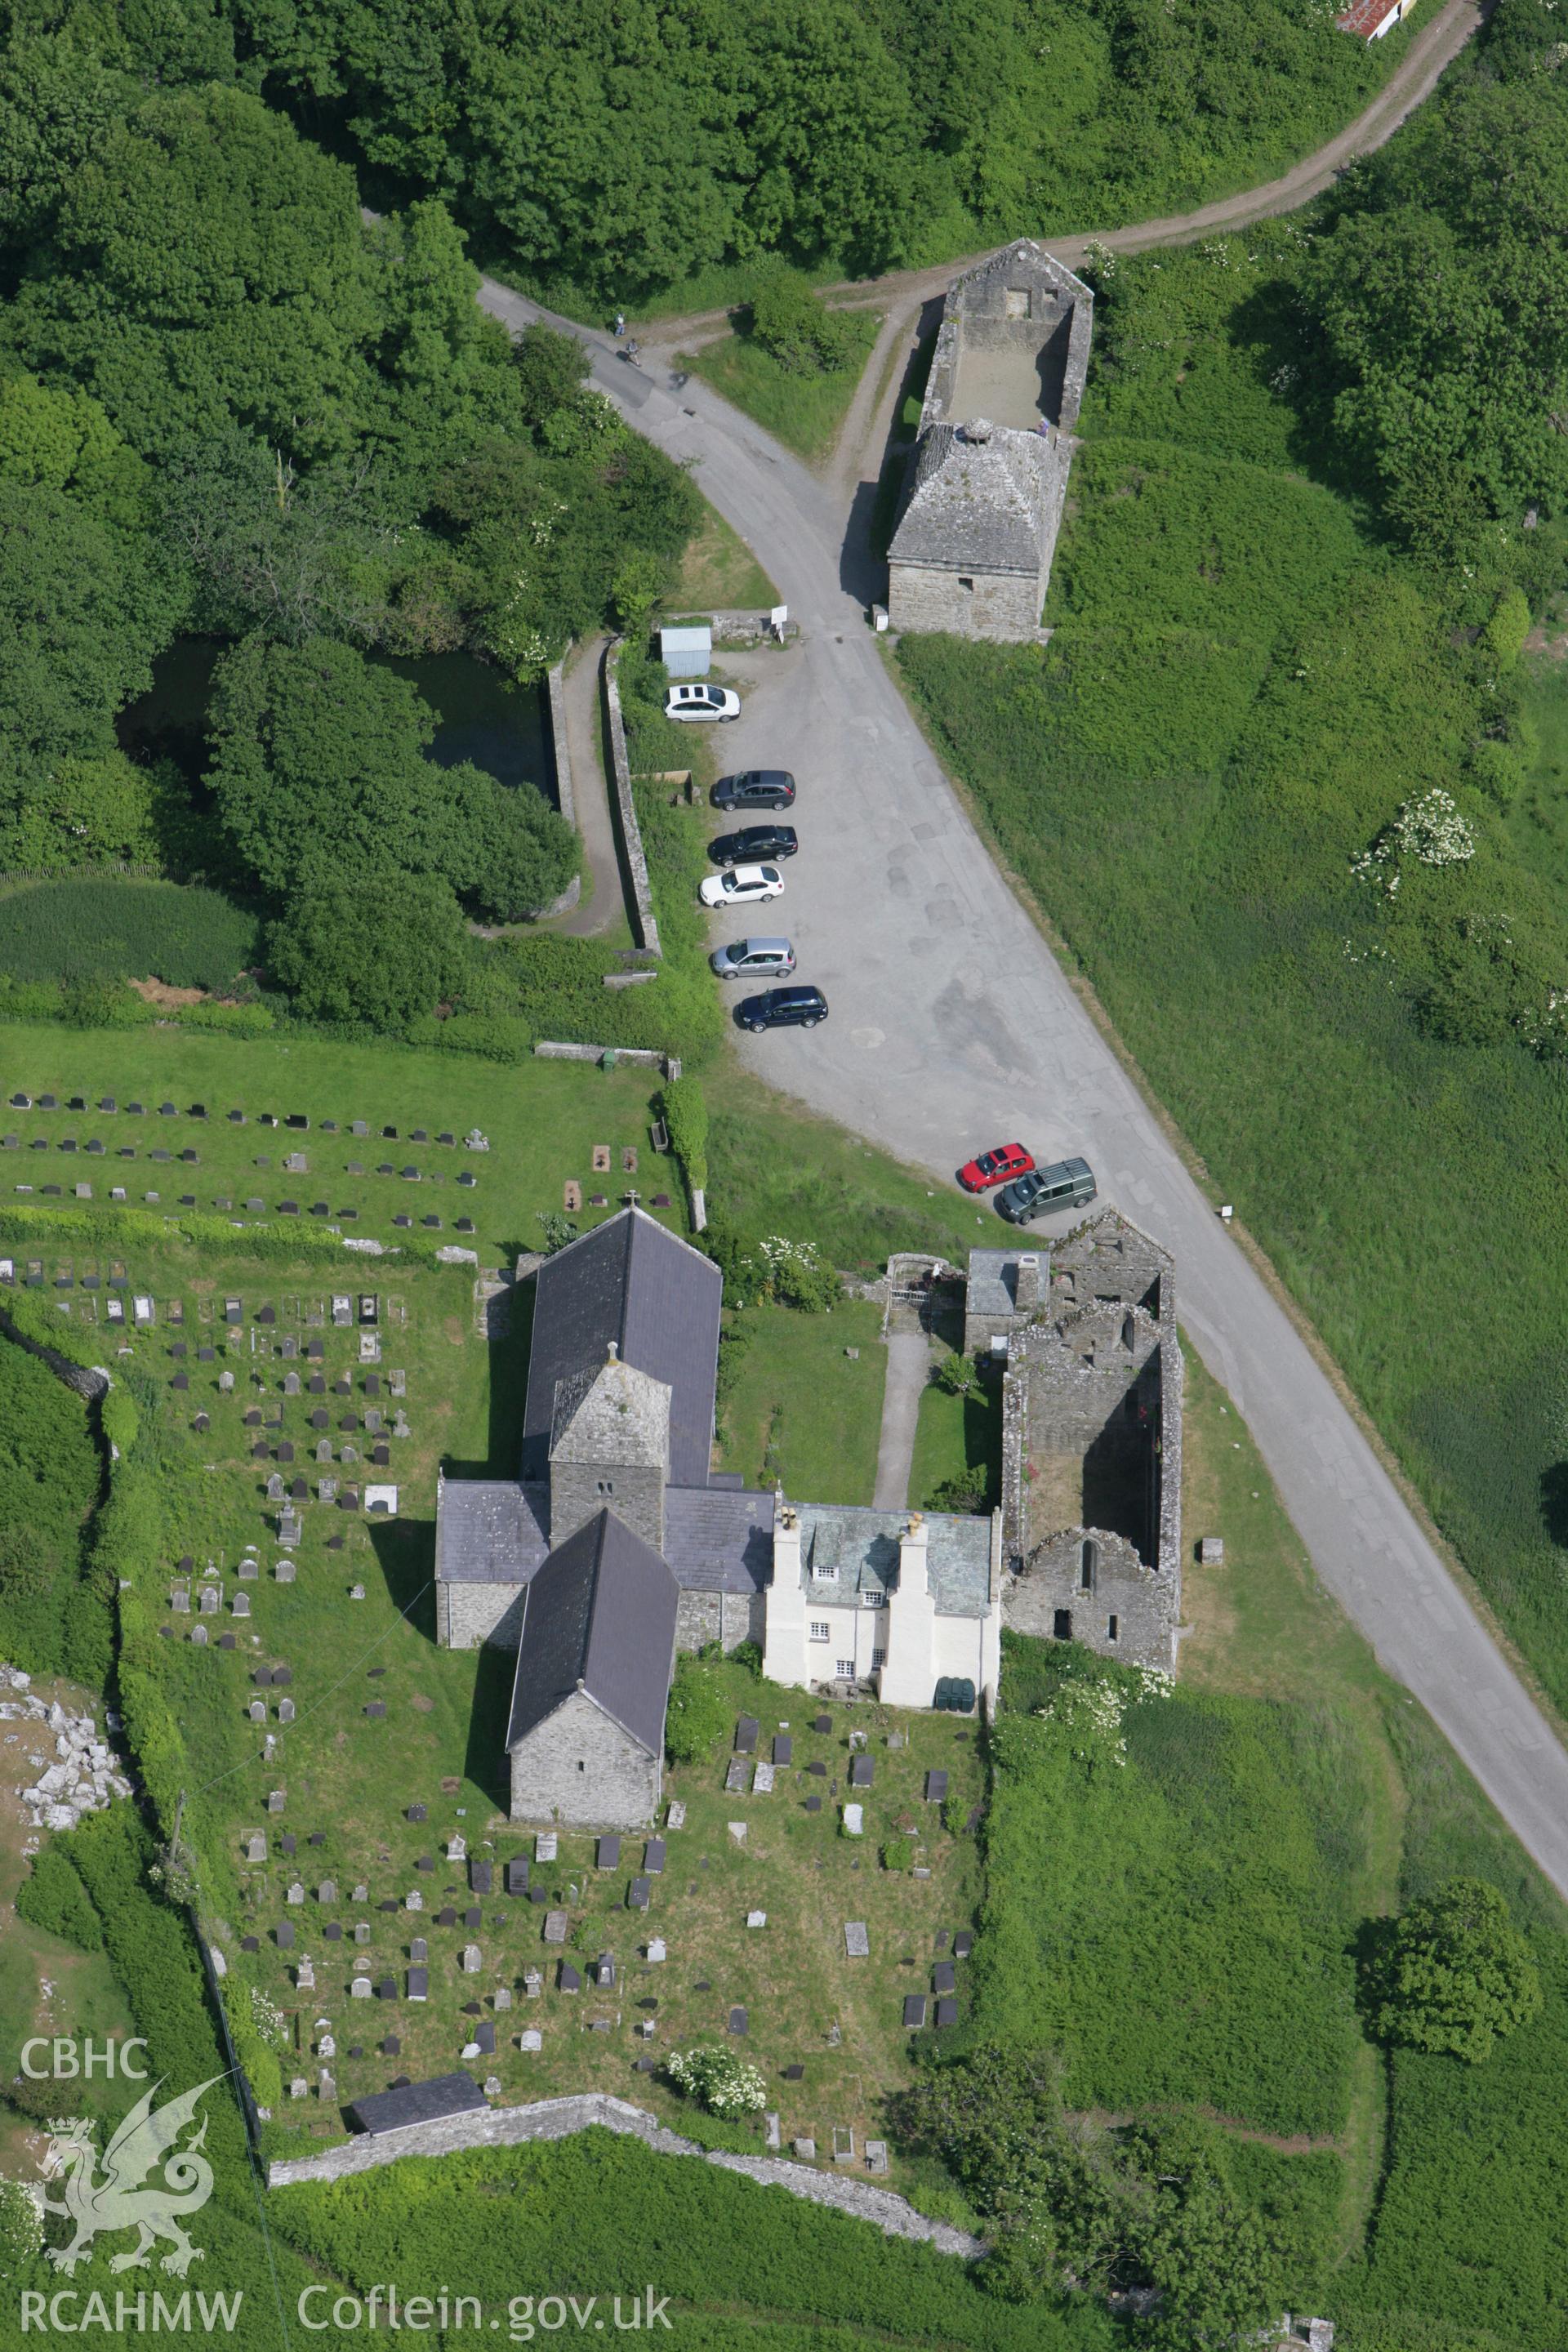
(1026, 1282)
(978, 430)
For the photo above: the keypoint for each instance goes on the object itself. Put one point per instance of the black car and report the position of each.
(758, 788)
(783, 1008)
(754, 842)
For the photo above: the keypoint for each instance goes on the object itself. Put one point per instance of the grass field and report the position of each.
(804, 412)
(719, 570)
(1241, 691)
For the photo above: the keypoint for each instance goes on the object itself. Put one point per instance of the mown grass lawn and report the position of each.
(804, 1411)
(804, 412)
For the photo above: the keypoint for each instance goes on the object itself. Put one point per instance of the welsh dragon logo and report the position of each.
(145, 2141)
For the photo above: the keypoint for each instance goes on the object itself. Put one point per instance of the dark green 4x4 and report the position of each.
(1065, 1184)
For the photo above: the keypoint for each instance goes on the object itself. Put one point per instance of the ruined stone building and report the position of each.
(618, 1544)
(972, 553)
(1091, 1460)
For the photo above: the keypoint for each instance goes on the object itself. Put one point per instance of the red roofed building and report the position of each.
(1370, 19)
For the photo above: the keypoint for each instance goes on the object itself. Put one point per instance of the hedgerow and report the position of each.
(53, 1617)
(52, 1895)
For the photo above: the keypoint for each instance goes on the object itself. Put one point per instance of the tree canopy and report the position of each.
(321, 771)
(382, 952)
(1456, 1974)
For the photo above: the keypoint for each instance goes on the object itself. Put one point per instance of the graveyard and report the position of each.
(375, 1144)
(345, 1778)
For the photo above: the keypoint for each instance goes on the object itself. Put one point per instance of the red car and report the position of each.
(999, 1167)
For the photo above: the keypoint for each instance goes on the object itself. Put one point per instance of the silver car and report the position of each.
(753, 959)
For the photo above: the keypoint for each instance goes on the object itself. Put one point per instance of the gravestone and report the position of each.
(503, 1996)
(746, 1732)
(545, 1845)
(762, 1780)
(653, 1857)
(876, 2156)
(255, 1847)
(362, 1931)
(735, 1776)
(656, 1950)
(555, 1927)
(242, 1604)
(472, 1959)
(360, 1988)
(739, 2021)
(257, 1710)
(295, 1892)
(305, 1977)
(530, 2038)
(533, 1983)
(285, 1935)
(327, 1891)
(199, 1636)
(936, 1788)
(283, 1572)
(756, 1918)
(856, 1942)
(738, 1832)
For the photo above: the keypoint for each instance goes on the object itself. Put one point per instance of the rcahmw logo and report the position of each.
(149, 2182)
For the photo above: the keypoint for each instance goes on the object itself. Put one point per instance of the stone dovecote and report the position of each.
(972, 554)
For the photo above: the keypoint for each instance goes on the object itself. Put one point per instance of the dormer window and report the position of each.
(825, 1570)
(873, 1600)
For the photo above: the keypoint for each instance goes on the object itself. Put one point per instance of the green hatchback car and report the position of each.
(1065, 1184)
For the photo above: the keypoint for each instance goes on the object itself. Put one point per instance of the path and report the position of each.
(909, 1368)
(604, 907)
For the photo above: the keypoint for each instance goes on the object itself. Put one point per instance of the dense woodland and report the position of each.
(230, 407)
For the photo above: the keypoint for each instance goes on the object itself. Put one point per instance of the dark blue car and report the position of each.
(783, 1008)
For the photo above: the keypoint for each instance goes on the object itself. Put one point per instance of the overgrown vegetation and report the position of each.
(53, 1616)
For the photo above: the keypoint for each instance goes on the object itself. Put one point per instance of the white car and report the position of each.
(701, 702)
(741, 884)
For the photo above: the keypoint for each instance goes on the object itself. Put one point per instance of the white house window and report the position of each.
(846, 1670)
(874, 1600)
(819, 1629)
(878, 1658)
(826, 1571)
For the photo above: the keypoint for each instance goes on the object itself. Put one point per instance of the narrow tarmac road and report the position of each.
(953, 1026)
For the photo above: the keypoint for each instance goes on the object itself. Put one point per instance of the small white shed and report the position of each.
(687, 652)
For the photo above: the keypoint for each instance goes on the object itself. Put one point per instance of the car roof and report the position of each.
(762, 947)
(747, 873)
(799, 994)
(765, 776)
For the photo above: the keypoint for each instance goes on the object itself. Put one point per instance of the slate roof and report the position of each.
(980, 505)
(864, 1545)
(633, 1282)
(611, 1413)
(420, 2102)
(489, 1530)
(719, 1539)
(601, 1611)
(993, 1275)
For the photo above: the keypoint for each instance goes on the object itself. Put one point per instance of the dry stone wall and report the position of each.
(558, 2118)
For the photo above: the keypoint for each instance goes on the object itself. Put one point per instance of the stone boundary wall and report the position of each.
(549, 1051)
(561, 758)
(643, 922)
(560, 750)
(558, 2118)
(88, 1381)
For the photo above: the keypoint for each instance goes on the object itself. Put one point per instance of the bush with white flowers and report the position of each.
(719, 2081)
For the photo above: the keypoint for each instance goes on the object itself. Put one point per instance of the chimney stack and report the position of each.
(1027, 1283)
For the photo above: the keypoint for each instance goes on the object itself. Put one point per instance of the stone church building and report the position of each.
(619, 1544)
(972, 553)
